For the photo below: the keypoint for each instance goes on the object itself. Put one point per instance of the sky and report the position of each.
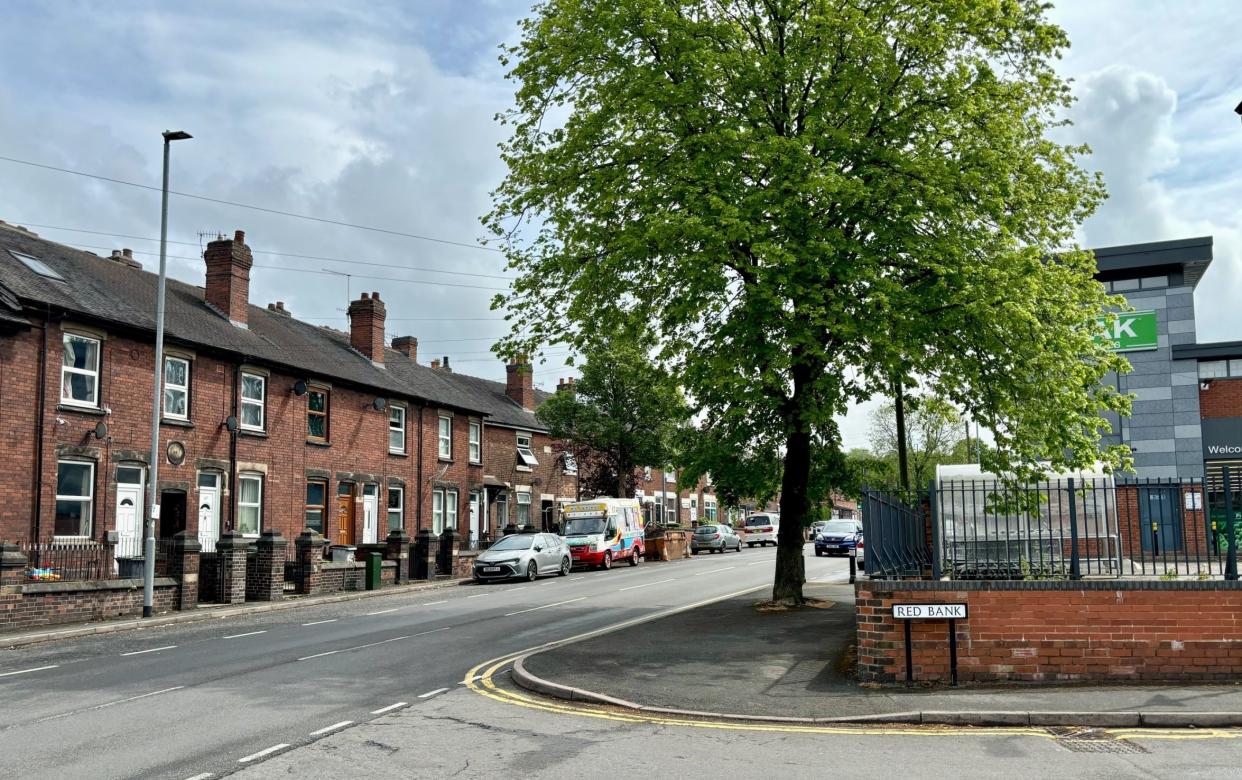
(381, 114)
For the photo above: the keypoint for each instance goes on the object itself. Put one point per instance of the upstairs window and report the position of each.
(446, 438)
(253, 401)
(570, 462)
(526, 455)
(79, 373)
(396, 429)
(1213, 369)
(476, 442)
(177, 388)
(317, 414)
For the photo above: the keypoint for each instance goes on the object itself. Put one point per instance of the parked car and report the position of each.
(715, 538)
(523, 555)
(761, 529)
(815, 529)
(839, 537)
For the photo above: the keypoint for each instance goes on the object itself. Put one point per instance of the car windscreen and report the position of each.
(514, 542)
(839, 528)
(583, 526)
(707, 529)
(755, 520)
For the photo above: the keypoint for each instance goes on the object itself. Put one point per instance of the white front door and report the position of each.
(129, 512)
(370, 514)
(208, 511)
(476, 516)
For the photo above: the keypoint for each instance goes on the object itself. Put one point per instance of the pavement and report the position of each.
(730, 660)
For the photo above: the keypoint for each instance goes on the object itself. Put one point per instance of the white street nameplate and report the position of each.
(929, 611)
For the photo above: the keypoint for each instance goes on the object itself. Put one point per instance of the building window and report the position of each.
(79, 373)
(316, 490)
(317, 414)
(646, 473)
(396, 429)
(1235, 368)
(75, 494)
(476, 442)
(670, 475)
(396, 502)
(443, 509)
(446, 438)
(177, 388)
(526, 455)
(1122, 285)
(1213, 369)
(523, 508)
(1154, 282)
(249, 504)
(253, 398)
(570, 462)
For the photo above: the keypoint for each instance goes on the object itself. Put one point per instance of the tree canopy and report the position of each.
(935, 433)
(806, 200)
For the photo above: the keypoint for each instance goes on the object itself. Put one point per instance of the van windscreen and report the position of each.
(755, 520)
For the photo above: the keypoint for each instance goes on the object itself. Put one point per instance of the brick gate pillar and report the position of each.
(425, 547)
(268, 583)
(449, 547)
(399, 551)
(309, 545)
(184, 566)
(231, 550)
(12, 564)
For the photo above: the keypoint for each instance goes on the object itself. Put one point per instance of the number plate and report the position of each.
(491, 568)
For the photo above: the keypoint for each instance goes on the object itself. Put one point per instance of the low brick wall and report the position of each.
(463, 565)
(336, 577)
(39, 604)
(1057, 631)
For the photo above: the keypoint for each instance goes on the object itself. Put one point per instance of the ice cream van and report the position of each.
(603, 531)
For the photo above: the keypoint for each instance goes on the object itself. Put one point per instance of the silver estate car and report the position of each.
(714, 538)
(523, 555)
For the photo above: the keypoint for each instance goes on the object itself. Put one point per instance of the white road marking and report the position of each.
(381, 642)
(545, 606)
(319, 655)
(645, 584)
(152, 650)
(472, 679)
(390, 708)
(429, 694)
(248, 633)
(320, 622)
(475, 596)
(27, 671)
(515, 587)
(203, 776)
(136, 698)
(432, 631)
(579, 577)
(383, 611)
(758, 563)
(333, 727)
(713, 571)
(433, 603)
(262, 753)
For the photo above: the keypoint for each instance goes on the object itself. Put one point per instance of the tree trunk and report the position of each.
(790, 566)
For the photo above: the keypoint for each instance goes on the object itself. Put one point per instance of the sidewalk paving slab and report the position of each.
(727, 659)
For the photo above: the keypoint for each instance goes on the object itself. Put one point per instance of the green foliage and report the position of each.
(805, 200)
(624, 413)
(935, 434)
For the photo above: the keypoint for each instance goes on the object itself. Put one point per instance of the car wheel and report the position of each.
(532, 571)
(566, 564)
(819, 553)
(606, 564)
(636, 556)
(751, 545)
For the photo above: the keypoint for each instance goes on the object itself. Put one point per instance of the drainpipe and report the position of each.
(418, 511)
(41, 393)
(232, 526)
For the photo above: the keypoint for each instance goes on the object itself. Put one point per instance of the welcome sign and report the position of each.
(1130, 332)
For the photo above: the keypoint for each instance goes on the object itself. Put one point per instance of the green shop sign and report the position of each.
(1130, 332)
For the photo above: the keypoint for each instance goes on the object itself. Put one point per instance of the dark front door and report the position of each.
(172, 513)
(345, 513)
(1161, 517)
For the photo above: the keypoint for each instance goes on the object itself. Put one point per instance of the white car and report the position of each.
(761, 529)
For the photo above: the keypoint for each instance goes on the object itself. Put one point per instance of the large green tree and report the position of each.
(808, 201)
(624, 413)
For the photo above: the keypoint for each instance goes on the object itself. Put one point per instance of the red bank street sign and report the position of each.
(929, 611)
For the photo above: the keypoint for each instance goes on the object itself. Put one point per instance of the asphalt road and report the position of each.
(206, 699)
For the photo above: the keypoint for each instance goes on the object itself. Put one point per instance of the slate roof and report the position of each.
(103, 290)
(491, 397)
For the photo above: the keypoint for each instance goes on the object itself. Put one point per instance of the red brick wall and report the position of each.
(18, 393)
(1223, 398)
(548, 478)
(31, 610)
(1123, 630)
(1131, 528)
(455, 472)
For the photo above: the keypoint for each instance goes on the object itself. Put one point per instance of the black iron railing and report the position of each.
(57, 561)
(894, 535)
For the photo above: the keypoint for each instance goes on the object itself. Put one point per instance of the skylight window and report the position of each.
(37, 265)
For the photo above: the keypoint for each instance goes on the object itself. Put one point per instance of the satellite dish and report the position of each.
(380, 404)
(101, 430)
(299, 387)
(230, 422)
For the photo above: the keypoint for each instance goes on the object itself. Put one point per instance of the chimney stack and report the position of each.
(406, 345)
(366, 326)
(228, 277)
(520, 383)
(435, 362)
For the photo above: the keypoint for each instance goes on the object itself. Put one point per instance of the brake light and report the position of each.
(715, 536)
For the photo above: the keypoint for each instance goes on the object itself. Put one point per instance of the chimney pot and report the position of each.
(128, 253)
(435, 362)
(239, 236)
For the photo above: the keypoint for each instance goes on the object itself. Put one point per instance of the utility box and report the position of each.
(375, 564)
(342, 553)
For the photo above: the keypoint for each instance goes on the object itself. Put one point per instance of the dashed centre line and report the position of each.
(383, 611)
(429, 694)
(433, 603)
(333, 727)
(320, 622)
(28, 671)
(645, 584)
(248, 633)
(390, 708)
(262, 753)
(150, 650)
(713, 571)
(202, 776)
(545, 606)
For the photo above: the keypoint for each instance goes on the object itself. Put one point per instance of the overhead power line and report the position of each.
(251, 207)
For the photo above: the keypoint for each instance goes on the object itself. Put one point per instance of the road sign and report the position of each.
(929, 611)
(1130, 332)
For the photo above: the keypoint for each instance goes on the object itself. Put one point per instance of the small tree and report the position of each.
(934, 433)
(624, 413)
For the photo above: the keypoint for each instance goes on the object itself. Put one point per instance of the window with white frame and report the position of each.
(1213, 369)
(75, 498)
(79, 373)
(443, 509)
(670, 474)
(396, 507)
(396, 429)
(446, 437)
(570, 462)
(476, 442)
(646, 473)
(523, 508)
(177, 388)
(253, 401)
(526, 454)
(249, 504)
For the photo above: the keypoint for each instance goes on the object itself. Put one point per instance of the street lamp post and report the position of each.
(153, 513)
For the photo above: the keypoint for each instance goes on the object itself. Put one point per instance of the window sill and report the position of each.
(318, 443)
(523, 468)
(95, 410)
(255, 434)
(445, 460)
(393, 454)
(174, 421)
